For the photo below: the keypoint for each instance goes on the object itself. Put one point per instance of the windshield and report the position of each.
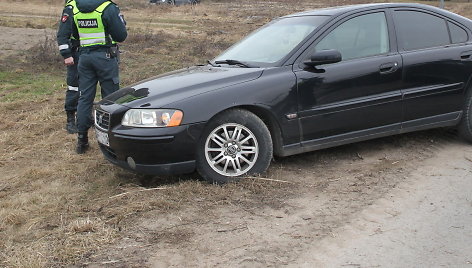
(274, 41)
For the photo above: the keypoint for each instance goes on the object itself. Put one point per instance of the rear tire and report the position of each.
(234, 144)
(465, 126)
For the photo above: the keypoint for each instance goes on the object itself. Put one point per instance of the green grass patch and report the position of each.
(24, 85)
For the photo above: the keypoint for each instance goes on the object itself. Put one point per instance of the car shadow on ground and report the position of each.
(422, 140)
(150, 181)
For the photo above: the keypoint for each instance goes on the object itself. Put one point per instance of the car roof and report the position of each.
(339, 10)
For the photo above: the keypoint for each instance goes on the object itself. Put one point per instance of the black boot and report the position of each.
(82, 143)
(71, 126)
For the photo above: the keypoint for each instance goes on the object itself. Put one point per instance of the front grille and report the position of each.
(102, 119)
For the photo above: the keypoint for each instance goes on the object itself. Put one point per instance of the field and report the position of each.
(60, 209)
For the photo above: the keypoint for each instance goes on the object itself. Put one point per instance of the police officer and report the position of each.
(99, 26)
(68, 47)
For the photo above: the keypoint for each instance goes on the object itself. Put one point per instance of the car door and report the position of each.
(436, 66)
(359, 96)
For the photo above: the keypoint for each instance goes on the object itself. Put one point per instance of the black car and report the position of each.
(303, 82)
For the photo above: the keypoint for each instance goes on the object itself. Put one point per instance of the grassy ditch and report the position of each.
(57, 208)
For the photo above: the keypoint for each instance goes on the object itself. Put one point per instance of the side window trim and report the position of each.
(391, 31)
(449, 32)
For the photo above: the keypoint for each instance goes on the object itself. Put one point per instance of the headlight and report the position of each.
(152, 118)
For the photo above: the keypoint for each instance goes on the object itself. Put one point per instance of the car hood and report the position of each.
(168, 88)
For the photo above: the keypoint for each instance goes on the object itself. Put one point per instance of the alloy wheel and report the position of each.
(231, 149)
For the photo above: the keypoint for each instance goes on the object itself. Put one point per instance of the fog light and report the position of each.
(131, 162)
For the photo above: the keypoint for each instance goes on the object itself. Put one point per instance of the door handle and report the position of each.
(466, 56)
(389, 67)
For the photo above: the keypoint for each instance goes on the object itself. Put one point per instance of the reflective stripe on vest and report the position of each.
(90, 26)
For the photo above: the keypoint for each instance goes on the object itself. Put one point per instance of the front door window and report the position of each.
(359, 37)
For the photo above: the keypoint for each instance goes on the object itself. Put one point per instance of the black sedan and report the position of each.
(303, 82)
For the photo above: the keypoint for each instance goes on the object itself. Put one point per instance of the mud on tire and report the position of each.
(234, 144)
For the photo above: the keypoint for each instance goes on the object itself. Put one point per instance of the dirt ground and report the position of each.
(422, 222)
(10, 44)
(332, 205)
(402, 201)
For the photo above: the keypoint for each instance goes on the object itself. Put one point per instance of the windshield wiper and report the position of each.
(234, 62)
(212, 64)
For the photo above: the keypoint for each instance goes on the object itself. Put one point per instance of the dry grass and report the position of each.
(57, 208)
(45, 53)
(145, 39)
(60, 207)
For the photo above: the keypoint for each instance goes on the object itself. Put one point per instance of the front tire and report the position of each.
(235, 143)
(465, 126)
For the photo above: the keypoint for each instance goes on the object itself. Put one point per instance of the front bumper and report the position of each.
(157, 169)
(156, 151)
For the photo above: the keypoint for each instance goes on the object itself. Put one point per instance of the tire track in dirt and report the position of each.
(421, 223)
(324, 191)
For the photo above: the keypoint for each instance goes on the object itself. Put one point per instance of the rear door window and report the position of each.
(417, 30)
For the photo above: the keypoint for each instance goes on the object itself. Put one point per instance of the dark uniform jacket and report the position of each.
(65, 33)
(112, 19)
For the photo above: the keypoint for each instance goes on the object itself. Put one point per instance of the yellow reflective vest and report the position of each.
(90, 26)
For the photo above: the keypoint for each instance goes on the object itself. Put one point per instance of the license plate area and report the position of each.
(102, 137)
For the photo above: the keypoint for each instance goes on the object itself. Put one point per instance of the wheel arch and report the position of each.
(467, 91)
(468, 85)
(269, 120)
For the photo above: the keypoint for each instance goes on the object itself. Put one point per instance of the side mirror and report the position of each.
(324, 57)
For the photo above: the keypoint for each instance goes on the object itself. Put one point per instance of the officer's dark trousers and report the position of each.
(94, 66)
(72, 93)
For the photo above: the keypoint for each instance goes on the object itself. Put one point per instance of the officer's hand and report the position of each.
(69, 61)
